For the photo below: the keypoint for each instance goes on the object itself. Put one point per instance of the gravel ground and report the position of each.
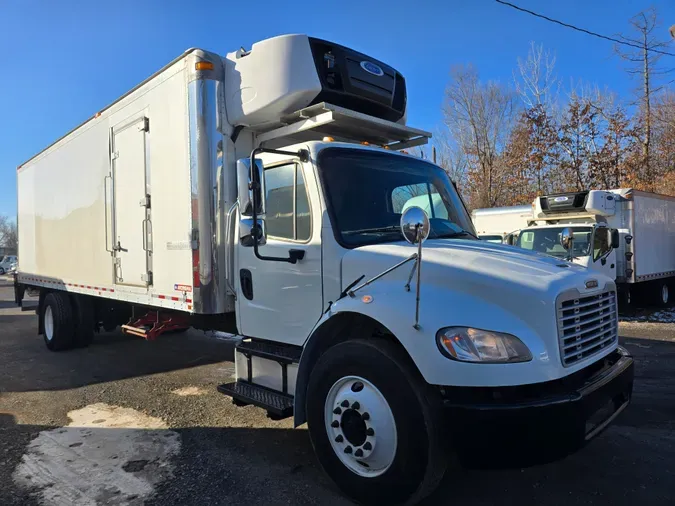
(146, 417)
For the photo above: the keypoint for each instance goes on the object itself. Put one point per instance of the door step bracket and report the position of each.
(278, 405)
(153, 324)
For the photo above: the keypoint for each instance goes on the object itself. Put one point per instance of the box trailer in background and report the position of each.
(494, 224)
(262, 193)
(640, 226)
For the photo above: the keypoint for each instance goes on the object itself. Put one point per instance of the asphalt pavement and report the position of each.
(126, 421)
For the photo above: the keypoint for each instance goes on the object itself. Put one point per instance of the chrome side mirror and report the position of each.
(244, 189)
(415, 225)
(246, 232)
(567, 238)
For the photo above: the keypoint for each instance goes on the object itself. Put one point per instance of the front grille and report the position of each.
(586, 325)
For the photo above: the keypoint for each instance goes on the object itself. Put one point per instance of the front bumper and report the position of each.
(537, 423)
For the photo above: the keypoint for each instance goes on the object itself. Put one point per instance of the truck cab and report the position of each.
(277, 204)
(585, 215)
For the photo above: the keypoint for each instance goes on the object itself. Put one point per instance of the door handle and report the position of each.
(119, 247)
(147, 228)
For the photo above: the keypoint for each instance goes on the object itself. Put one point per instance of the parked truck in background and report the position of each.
(628, 235)
(263, 193)
(496, 223)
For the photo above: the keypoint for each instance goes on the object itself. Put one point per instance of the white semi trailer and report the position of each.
(496, 223)
(628, 235)
(260, 193)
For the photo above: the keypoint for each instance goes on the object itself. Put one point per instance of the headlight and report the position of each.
(474, 345)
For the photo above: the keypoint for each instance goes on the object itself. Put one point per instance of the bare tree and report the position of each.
(9, 237)
(536, 81)
(643, 63)
(479, 117)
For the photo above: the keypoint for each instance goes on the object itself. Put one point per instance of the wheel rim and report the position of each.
(49, 323)
(360, 426)
(664, 293)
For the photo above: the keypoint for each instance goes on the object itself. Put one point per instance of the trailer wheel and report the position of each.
(662, 293)
(83, 320)
(372, 426)
(57, 315)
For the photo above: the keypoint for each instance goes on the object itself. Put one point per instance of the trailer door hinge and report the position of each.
(145, 127)
(147, 277)
(114, 155)
(145, 202)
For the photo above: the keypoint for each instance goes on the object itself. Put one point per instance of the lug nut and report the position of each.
(370, 432)
(348, 449)
(337, 411)
(345, 404)
(356, 405)
(357, 387)
(365, 416)
(358, 453)
(339, 438)
(367, 446)
(335, 424)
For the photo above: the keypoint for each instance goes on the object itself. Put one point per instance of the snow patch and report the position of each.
(105, 455)
(663, 316)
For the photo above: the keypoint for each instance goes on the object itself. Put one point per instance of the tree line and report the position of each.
(506, 143)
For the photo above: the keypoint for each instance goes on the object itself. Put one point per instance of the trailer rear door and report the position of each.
(131, 203)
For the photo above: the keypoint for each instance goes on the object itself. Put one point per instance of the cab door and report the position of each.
(277, 300)
(602, 254)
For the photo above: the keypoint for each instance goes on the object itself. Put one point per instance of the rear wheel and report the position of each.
(662, 293)
(371, 424)
(57, 317)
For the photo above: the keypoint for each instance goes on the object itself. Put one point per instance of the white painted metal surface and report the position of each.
(500, 220)
(653, 230)
(473, 284)
(67, 208)
(287, 298)
(129, 186)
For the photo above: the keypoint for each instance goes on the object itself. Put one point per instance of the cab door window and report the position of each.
(288, 213)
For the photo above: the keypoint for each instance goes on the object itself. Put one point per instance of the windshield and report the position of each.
(491, 238)
(367, 191)
(547, 240)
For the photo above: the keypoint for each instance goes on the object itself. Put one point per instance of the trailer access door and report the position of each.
(131, 203)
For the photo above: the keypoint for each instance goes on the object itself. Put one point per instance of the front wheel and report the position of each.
(2, 271)
(371, 424)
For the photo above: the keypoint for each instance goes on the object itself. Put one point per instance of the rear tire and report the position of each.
(399, 439)
(662, 293)
(57, 315)
(83, 320)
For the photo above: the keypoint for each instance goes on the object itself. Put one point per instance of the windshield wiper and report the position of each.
(451, 235)
(375, 230)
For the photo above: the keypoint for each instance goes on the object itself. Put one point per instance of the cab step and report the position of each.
(280, 353)
(277, 405)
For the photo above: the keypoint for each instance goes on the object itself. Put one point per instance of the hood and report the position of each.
(483, 269)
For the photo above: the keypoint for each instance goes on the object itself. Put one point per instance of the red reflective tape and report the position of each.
(162, 296)
(189, 301)
(175, 298)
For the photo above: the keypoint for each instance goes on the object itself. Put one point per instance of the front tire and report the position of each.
(662, 293)
(371, 423)
(57, 317)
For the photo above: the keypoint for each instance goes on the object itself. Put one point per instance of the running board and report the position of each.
(277, 405)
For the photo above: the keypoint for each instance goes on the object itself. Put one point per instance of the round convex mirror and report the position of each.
(566, 238)
(415, 225)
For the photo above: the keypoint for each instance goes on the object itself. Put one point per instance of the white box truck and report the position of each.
(496, 223)
(628, 235)
(262, 193)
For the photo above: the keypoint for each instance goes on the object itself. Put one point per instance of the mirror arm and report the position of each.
(294, 254)
(371, 280)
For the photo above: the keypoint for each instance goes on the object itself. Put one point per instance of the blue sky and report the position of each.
(63, 60)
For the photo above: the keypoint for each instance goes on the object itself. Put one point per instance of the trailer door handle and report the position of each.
(119, 247)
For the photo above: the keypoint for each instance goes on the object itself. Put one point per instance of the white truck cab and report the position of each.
(625, 234)
(364, 303)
